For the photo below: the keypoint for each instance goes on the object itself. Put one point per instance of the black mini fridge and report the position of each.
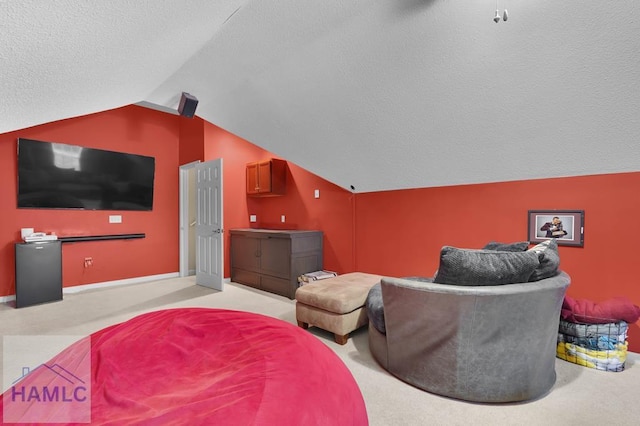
(38, 273)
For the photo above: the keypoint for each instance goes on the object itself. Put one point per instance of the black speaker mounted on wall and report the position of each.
(187, 106)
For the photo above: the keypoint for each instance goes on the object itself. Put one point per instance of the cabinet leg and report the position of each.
(303, 325)
(341, 339)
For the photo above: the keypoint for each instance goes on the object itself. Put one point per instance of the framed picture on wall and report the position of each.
(565, 226)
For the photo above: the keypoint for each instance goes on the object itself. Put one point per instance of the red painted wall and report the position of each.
(332, 213)
(191, 139)
(131, 129)
(400, 233)
(396, 233)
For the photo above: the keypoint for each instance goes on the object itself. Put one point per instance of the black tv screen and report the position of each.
(60, 176)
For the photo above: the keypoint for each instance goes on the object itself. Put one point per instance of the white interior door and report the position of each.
(209, 230)
(188, 219)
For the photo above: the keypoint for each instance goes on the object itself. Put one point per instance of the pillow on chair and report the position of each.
(549, 260)
(485, 267)
(519, 246)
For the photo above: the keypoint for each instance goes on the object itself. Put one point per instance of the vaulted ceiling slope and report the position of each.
(377, 94)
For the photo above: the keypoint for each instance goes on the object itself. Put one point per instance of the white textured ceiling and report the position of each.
(377, 94)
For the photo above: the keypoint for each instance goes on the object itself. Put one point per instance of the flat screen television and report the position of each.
(60, 176)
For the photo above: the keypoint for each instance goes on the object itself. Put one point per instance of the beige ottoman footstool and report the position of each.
(335, 304)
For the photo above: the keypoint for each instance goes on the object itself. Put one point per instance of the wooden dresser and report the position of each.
(272, 260)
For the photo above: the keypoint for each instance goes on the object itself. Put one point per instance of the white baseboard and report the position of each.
(85, 287)
(127, 281)
(5, 299)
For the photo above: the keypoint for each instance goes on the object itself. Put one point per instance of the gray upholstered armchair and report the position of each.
(490, 343)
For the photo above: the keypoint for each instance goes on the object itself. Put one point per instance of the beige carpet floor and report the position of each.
(581, 396)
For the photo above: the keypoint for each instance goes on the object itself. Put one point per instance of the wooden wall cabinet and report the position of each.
(266, 178)
(272, 260)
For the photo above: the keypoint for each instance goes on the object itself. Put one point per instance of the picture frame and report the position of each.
(565, 226)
